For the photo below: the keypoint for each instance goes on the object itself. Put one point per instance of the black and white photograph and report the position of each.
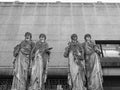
(59, 45)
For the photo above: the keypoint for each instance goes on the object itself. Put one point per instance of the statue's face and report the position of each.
(74, 39)
(88, 38)
(42, 39)
(27, 38)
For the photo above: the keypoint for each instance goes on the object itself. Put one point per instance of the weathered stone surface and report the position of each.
(58, 21)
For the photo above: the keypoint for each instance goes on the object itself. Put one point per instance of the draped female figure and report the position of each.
(74, 53)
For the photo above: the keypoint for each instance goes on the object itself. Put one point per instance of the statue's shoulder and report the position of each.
(80, 44)
(93, 41)
(69, 43)
(37, 43)
(22, 42)
(46, 43)
(32, 43)
(83, 44)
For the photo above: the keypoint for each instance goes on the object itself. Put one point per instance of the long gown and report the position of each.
(93, 67)
(39, 68)
(76, 75)
(21, 65)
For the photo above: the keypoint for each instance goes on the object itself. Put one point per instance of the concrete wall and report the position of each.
(58, 21)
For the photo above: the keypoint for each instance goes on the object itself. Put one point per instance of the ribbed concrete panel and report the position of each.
(58, 21)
